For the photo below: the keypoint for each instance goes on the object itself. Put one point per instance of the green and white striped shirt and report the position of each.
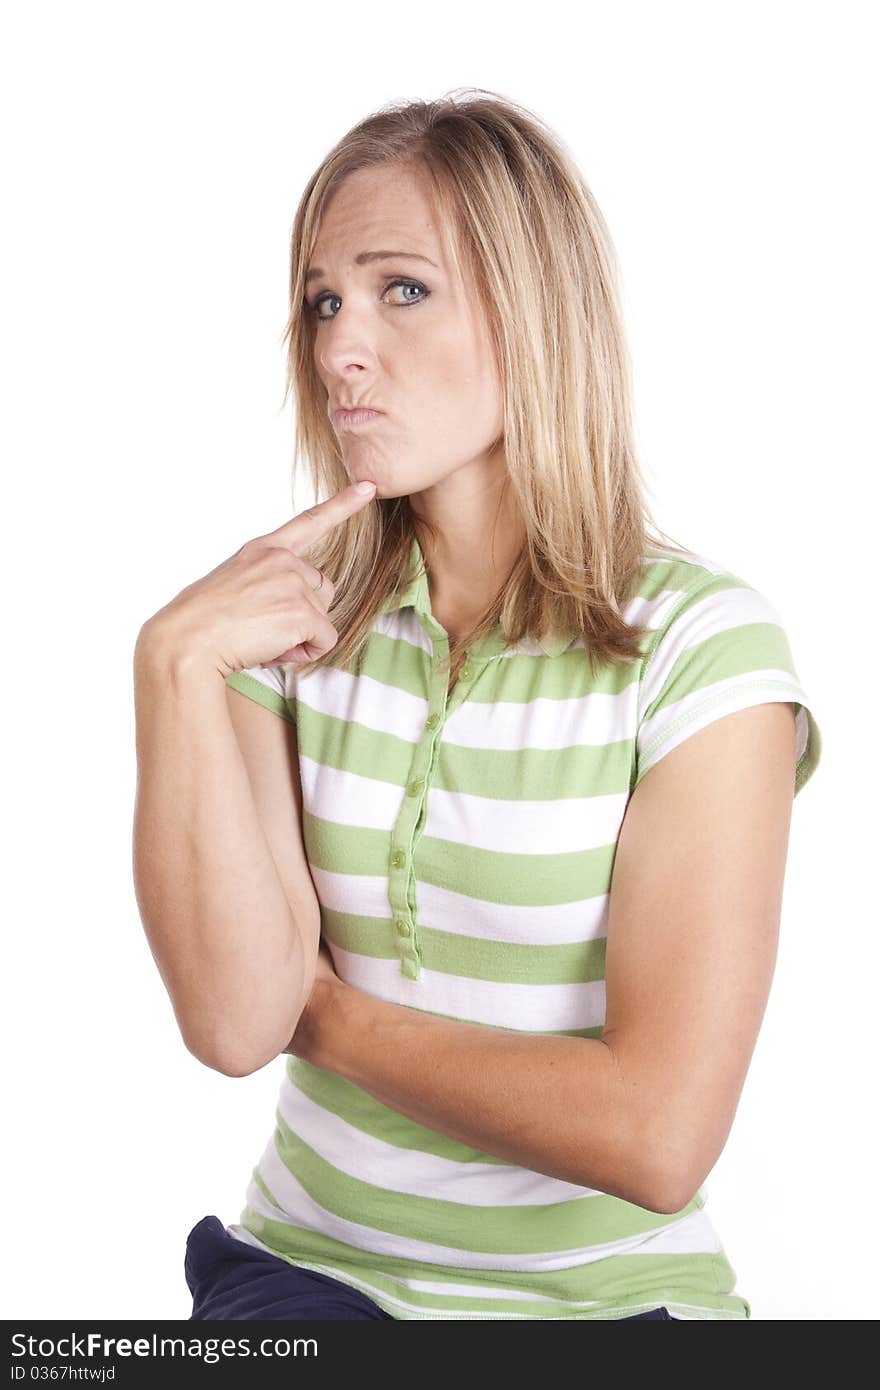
(461, 846)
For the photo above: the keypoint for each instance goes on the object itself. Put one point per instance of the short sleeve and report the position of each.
(722, 648)
(270, 686)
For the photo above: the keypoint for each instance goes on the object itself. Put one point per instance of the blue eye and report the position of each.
(405, 284)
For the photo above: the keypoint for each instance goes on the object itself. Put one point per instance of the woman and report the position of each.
(532, 784)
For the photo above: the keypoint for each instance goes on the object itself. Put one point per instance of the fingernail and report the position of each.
(364, 487)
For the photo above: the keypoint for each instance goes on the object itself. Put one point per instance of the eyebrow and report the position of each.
(366, 257)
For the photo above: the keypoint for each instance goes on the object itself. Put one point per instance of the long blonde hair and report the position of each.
(522, 228)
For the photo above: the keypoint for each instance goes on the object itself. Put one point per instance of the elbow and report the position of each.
(227, 1056)
(672, 1182)
(660, 1187)
(687, 1150)
(236, 1067)
(228, 1063)
(226, 1059)
(662, 1174)
(662, 1157)
(668, 1195)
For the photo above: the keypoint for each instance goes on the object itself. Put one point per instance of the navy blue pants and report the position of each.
(230, 1279)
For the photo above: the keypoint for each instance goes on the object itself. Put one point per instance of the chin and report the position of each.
(383, 489)
(363, 478)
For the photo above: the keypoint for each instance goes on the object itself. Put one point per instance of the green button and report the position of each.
(398, 859)
(465, 674)
(432, 721)
(414, 788)
(402, 927)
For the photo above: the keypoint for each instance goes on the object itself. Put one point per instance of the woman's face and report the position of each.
(418, 352)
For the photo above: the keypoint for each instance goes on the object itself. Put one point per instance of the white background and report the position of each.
(153, 158)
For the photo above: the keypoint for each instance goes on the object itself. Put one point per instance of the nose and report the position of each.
(347, 343)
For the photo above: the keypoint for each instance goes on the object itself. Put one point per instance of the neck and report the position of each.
(477, 539)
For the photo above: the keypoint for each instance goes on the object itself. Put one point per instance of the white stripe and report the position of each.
(676, 721)
(270, 676)
(429, 1286)
(442, 909)
(591, 720)
(386, 709)
(525, 828)
(524, 1007)
(388, 1301)
(802, 729)
(346, 798)
(403, 625)
(413, 1173)
(690, 1234)
(545, 826)
(722, 611)
(511, 726)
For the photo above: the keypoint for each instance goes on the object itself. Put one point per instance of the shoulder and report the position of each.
(670, 577)
(688, 596)
(716, 644)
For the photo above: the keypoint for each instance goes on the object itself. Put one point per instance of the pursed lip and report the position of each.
(360, 412)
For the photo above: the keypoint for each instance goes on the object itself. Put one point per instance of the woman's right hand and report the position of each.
(264, 604)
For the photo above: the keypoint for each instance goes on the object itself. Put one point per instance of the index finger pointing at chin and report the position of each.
(310, 525)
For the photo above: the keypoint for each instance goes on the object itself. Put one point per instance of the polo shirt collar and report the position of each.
(417, 595)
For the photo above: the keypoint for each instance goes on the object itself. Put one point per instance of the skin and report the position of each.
(427, 362)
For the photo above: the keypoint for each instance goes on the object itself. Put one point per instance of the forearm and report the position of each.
(550, 1104)
(212, 904)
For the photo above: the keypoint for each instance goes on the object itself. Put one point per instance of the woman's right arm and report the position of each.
(225, 897)
(221, 878)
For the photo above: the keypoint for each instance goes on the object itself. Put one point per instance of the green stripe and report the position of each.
(810, 757)
(526, 774)
(257, 1177)
(248, 685)
(735, 652)
(545, 880)
(619, 1281)
(492, 1230)
(471, 957)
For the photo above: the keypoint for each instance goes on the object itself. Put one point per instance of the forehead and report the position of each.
(385, 206)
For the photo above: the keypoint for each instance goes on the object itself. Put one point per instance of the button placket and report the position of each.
(413, 811)
(411, 818)
(464, 684)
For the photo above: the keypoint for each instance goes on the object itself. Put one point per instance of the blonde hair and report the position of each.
(522, 228)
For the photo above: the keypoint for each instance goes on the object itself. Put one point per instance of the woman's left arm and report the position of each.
(693, 923)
